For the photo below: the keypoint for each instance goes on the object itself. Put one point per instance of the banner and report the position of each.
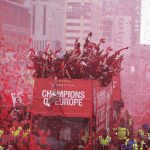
(68, 98)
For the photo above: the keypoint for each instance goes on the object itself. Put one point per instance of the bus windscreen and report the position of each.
(59, 133)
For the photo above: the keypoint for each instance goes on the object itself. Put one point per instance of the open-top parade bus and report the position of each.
(69, 111)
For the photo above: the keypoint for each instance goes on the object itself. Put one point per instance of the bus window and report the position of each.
(59, 132)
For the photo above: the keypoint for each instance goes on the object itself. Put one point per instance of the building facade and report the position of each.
(47, 24)
(81, 18)
(15, 24)
(122, 38)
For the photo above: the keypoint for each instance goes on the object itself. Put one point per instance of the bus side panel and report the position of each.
(103, 107)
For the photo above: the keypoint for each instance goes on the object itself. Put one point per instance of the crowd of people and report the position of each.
(124, 139)
(14, 75)
(16, 80)
(89, 62)
(14, 126)
(54, 133)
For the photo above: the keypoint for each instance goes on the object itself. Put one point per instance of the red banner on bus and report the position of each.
(71, 98)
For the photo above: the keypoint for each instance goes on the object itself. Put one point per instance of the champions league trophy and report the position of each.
(54, 96)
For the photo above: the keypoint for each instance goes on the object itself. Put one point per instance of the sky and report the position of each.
(145, 22)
